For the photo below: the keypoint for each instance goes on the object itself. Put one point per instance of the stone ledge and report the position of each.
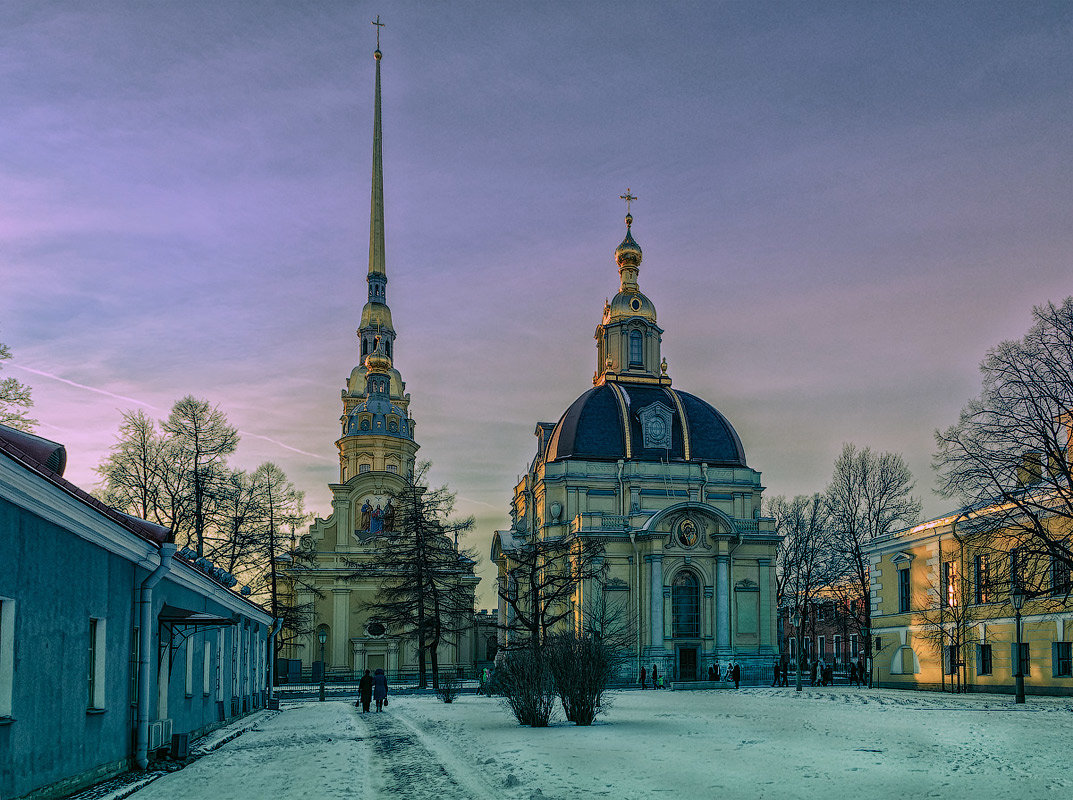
(687, 685)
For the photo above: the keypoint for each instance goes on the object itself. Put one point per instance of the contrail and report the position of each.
(149, 405)
(478, 502)
(285, 446)
(83, 386)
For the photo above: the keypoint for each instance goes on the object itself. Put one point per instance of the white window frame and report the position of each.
(836, 644)
(206, 675)
(854, 646)
(7, 655)
(98, 667)
(189, 666)
(821, 651)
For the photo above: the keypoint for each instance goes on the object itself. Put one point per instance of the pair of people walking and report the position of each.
(372, 687)
(657, 681)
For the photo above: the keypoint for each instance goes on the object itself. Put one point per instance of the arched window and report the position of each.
(685, 605)
(636, 349)
(365, 347)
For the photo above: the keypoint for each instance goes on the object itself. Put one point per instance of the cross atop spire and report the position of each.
(378, 25)
(629, 198)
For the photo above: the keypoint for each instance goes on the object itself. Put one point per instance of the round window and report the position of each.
(635, 304)
(376, 629)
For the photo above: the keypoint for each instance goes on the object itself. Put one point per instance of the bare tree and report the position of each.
(203, 439)
(1008, 456)
(803, 561)
(14, 399)
(870, 496)
(132, 473)
(426, 580)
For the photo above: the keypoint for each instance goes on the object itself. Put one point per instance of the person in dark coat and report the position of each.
(713, 675)
(775, 670)
(380, 689)
(735, 673)
(644, 678)
(655, 677)
(365, 691)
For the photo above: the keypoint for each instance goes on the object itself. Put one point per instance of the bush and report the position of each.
(582, 666)
(448, 687)
(525, 682)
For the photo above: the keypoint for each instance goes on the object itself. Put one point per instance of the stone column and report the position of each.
(393, 665)
(764, 579)
(340, 626)
(359, 657)
(656, 594)
(722, 602)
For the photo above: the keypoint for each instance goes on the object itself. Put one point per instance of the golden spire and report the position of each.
(376, 213)
(628, 254)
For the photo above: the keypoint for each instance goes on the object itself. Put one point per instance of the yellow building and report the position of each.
(377, 452)
(942, 614)
(659, 477)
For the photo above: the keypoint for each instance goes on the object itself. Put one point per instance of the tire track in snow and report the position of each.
(408, 768)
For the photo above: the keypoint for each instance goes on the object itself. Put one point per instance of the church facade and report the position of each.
(377, 454)
(659, 478)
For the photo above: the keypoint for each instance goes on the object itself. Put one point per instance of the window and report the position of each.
(820, 647)
(984, 662)
(7, 654)
(951, 660)
(983, 579)
(903, 590)
(1059, 576)
(1015, 567)
(95, 674)
(793, 648)
(1062, 659)
(949, 584)
(1025, 660)
(189, 667)
(636, 349)
(854, 648)
(393, 469)
(363, 468)
(837, 648)
(206, 675)
(685, 605)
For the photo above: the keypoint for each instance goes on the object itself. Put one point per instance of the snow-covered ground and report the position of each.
(754, 743)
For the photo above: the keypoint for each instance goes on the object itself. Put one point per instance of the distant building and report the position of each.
(659, 477)
(830, 633)
(110, 642)
(377, 453)
(942, 616)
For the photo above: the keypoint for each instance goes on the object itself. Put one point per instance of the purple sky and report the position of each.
(842, 206)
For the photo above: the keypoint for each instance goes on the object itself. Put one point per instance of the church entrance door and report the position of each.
(687, 663)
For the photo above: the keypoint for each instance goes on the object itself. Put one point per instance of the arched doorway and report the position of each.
(685, 623)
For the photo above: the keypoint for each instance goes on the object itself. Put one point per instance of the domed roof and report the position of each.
(628, 304)
(593, 427)
(629, 252)
(376, 314)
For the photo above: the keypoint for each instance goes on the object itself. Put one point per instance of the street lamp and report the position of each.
(322, 635)
(1017, 600)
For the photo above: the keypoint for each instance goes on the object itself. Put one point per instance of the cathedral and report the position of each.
(377, 454)
(659, 478)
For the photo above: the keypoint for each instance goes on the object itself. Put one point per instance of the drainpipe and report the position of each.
(277, 623)
(145, 643)
(730, 587)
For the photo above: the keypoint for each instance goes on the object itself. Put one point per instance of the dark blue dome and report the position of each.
(597, 424)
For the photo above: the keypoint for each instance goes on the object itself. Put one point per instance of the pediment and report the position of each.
(902, 558)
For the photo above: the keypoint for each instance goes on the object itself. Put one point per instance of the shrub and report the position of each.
(582, 666)
(525, 682)
(448, 687)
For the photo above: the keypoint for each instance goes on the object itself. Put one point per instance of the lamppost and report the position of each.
(1017, 600)
(322, 635)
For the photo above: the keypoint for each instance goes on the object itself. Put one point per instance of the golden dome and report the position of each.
(629, 303)
(376, 314)
(628, 254)
(377, 361)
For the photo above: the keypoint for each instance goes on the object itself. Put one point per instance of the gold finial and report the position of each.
(380, 25)
(663, 366)
(629, 198)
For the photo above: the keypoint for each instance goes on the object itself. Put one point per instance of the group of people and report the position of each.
(372, 687)
(657, 679)
(732, 672)
(821, 673)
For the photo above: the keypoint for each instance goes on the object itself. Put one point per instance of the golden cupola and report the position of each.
(628, 338)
